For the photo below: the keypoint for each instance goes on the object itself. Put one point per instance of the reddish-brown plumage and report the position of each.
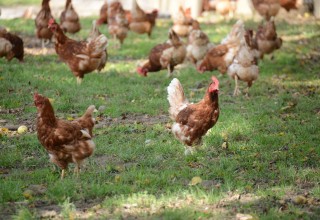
(214, 60)
(103, 19)
(142, 22)
(81, 56)
(164, 56)
(267, 39)
(266, 8)
(192, 121)
(118, 25)
(288, 4)
(69, 19)
(41, 21)
(17, 45)
(66, 142)
(154, 65)
(221, 56)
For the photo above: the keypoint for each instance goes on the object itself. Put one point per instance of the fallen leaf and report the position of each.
(241, 216)
(117, 178)
(70, 118)
(28, 194)
(195, 180)
(225, 145)
(299, 200)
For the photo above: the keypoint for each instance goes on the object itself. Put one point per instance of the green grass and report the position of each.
(19, 2)
(139, 169)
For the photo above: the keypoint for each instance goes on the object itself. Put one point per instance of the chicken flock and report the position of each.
(237, 55)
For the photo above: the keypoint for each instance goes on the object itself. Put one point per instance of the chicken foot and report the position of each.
(188, 150)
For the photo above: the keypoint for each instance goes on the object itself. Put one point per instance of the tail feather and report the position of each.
(98, 45)
(87, 121)
(236, 34)
(90, 110)
(176, 98)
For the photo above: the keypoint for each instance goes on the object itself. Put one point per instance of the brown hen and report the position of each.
(142, 22)
(165, 56)
(81, 56)
(192, 121)
(65, 141)
(221, 56)
(266, 8)
(41, 22)
(69, 19)
(17, 50)
(267, 39)
(117, 22)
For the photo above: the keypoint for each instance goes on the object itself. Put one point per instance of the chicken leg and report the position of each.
(63, 173)
(236, 88)
(169, 71)
(247, 89)
(79, 80)
(77, 170)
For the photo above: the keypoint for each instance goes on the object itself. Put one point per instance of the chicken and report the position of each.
(225, 7)
(192, 121)
(103, 19)
(266, 8)
(288, 4)
(69, 19)
(142, 22)
(65, 141)
(41, 22)
(221, 56)
(182, 23)
(81, 56)
(208, 5)
(93, 35)
(165, 56)
(198, 47)
(5, 47)
(117, 22)
(16, 42)
(267, 39)
(245, 66)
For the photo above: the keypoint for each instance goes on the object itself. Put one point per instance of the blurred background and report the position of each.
(244, 8)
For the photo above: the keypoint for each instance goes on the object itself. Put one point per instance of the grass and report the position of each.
(19, 2)
(139, 169)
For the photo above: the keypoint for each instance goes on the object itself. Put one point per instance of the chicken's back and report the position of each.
(17, 46)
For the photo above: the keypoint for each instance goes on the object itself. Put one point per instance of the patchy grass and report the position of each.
(270, 169)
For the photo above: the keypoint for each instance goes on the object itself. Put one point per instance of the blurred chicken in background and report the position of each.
(69, 19)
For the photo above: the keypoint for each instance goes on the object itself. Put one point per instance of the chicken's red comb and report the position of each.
(215, 81)
(51, 21)
(140, 71)
(35, 96)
